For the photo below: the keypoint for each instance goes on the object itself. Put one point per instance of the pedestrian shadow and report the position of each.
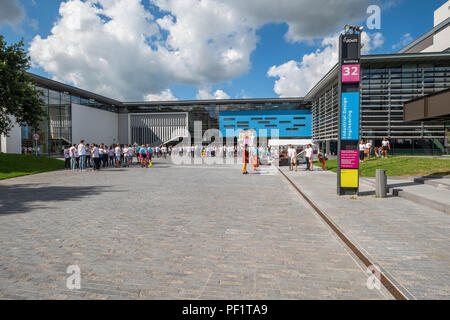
(24, 198)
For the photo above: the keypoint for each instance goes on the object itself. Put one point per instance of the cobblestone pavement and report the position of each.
(409, 241)
(169, 233)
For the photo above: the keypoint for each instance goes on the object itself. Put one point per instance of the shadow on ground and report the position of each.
(22, 198)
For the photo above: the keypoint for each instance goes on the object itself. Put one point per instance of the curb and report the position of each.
(421, 200)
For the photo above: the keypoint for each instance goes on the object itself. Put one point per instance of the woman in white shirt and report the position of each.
(117, 153)
(385, 147)
(368, 149)
(292, 158)
(362, 147)
(96, 157)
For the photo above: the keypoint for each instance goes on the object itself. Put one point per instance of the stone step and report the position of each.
(425, 195)
(441, 182)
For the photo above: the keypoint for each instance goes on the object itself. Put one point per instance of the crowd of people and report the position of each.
(96, 156)
(366, 149)
(84, 156)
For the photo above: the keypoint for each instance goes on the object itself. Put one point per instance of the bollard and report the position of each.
(381, 189)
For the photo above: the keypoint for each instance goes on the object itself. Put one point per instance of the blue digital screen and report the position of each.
(286, 123)
(350, 116)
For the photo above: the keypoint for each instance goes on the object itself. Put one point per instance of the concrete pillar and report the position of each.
(327, 147)
(381, 183)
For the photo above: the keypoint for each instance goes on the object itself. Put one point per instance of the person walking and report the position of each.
(322, 158)
(245, 159)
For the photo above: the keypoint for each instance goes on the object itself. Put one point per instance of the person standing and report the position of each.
(292, 158)
(255, 158)
(125, 156)
(386, 146)
(81, 153)
(308, 157)
(73, 157)
(96, 157)
(362, 147)
(111, 156)
(368, 149)
(143, 156)
(66, 158)
(87, 153)
(245, 159)
(118, 154)
(322, 158)
(130, 156)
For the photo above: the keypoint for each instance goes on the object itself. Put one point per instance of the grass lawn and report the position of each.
(399, 166)
(16, 165)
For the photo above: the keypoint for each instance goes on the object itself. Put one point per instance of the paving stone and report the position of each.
(171, 233)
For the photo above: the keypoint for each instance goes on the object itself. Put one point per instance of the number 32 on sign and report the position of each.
(351, 73)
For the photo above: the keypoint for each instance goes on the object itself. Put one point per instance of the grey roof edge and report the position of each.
(333, 73)
(214, 101)
(55, 85)
(426, 35)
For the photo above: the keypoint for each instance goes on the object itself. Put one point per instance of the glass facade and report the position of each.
(56, 132)
(209, 113)
(384, 89)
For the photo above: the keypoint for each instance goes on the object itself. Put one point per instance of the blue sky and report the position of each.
(401, 19)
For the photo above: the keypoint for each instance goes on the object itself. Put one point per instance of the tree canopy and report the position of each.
(19, 97)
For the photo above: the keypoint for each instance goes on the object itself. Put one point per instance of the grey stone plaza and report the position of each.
(209, 232)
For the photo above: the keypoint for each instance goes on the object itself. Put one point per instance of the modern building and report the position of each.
(389, 81)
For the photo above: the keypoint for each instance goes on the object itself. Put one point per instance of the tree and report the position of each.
(19, 97)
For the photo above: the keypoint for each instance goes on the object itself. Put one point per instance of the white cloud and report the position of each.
(11, 12)
(118, 48)
(371, 41)
(165, 95)
(295, 78)
(404, 41)
(205, 94)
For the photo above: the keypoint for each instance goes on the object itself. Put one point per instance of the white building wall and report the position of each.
(441, 40)
(442, 13)
(13, 142)
(94, 125)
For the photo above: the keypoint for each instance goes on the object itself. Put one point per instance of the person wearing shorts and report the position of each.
(385, 146)
(143, 156)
